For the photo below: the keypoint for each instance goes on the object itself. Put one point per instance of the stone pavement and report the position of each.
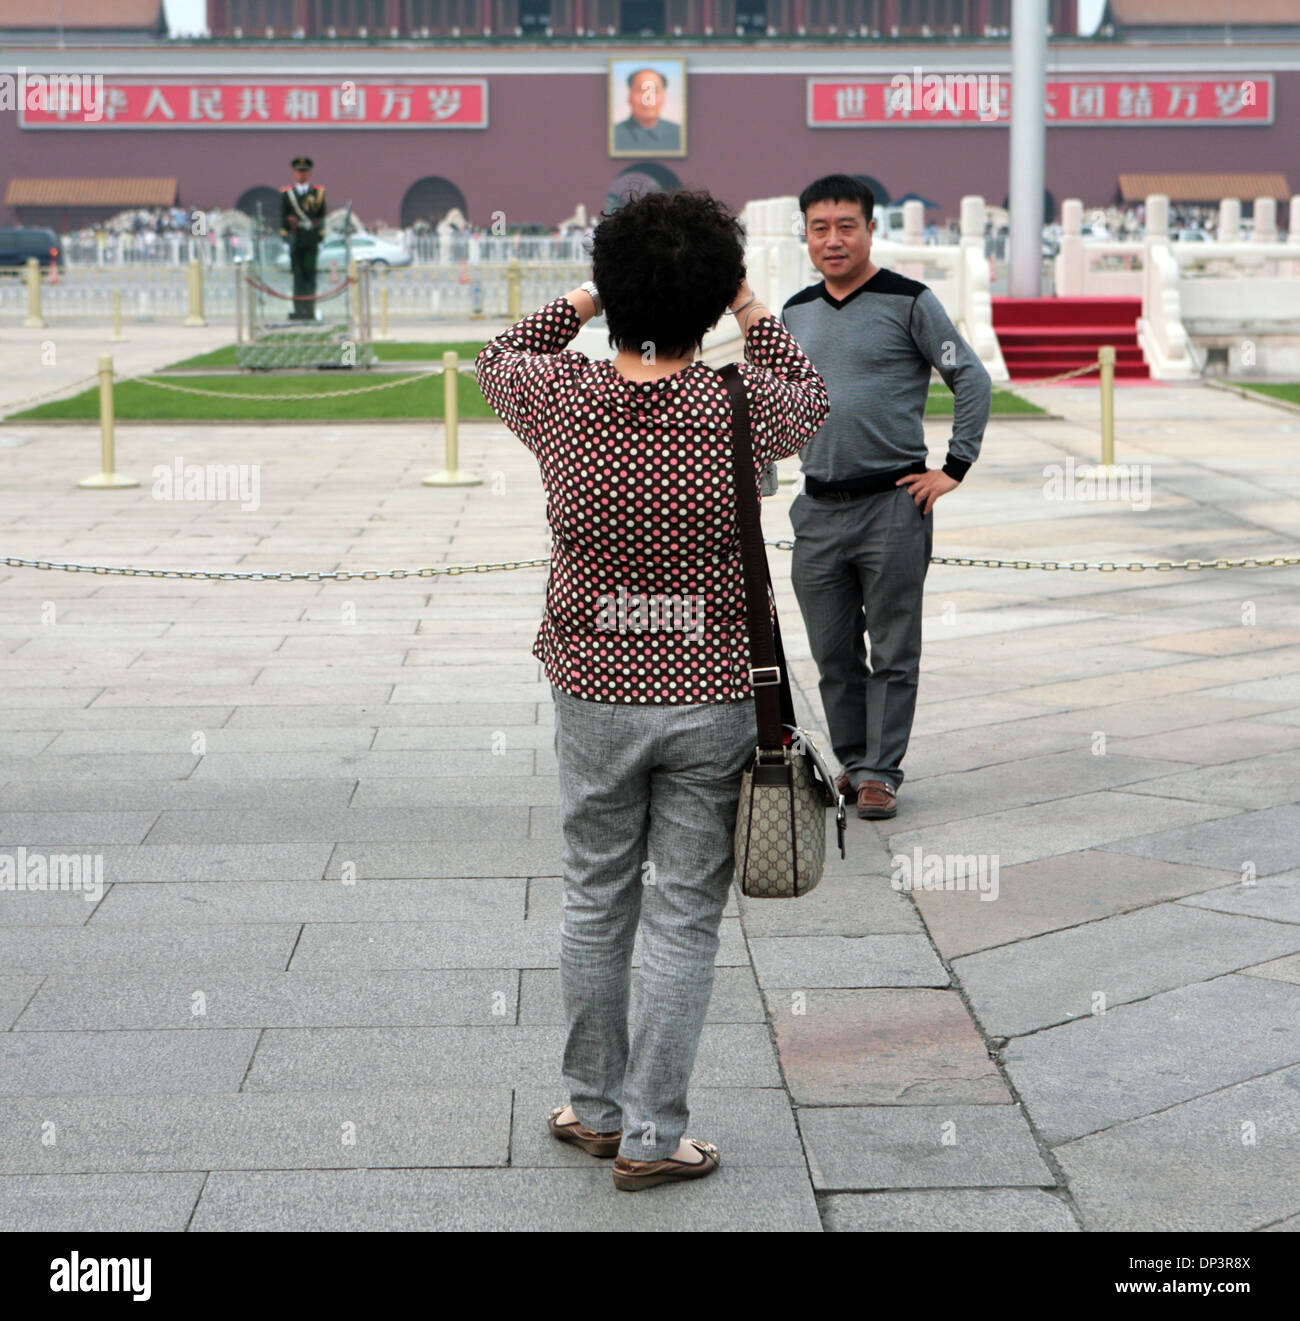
(319, 990)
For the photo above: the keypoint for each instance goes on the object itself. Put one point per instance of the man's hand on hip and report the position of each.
(926, 487)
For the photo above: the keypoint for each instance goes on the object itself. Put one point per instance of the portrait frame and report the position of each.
(619, 112)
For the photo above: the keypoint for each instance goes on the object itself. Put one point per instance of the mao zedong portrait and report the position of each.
(645, 131)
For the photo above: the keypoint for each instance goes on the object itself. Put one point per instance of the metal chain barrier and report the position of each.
(239, 394)
(1052, 380)
(458, 570)
(49, 394)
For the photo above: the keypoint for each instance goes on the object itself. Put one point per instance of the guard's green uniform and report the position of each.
(304, 239)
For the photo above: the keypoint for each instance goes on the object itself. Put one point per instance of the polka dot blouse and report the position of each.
(645, 601)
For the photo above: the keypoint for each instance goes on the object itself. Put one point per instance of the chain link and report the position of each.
(1051, 380)
(49, 394)
(458, 570)
(238, 394)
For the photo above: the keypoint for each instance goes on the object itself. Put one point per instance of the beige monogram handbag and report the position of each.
(780, 839)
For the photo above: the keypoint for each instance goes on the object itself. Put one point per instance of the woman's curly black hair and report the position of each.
(667, 266)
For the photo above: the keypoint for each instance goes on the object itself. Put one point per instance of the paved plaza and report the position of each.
(319, 990)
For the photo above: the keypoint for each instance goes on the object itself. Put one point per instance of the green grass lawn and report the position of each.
(396, 351)
(1287, 391)
(1005, 404)
(134, 402)
(244, 399)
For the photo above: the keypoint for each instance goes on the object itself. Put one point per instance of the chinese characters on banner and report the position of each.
(1072, 102)
(458, 103)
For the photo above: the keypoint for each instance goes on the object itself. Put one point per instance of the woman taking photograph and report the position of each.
(645, 645)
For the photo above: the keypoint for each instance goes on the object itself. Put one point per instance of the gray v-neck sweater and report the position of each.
(874, 349)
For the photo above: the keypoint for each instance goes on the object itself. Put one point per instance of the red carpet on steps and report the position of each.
(1045, 336)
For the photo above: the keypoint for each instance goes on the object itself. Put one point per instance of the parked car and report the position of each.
(17, 245)
(1191, 236)
(366, 248)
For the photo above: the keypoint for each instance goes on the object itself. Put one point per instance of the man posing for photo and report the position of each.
(863, 523)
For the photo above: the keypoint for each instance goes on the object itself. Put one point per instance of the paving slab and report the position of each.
(16, 990)
(948, 1211)
(159, 795)
(69, 908)
(1269, 840)
(310, 1059)
(760, 1199)
(98, 1203)
(1065, 825)
(1282, 970)
(1226, 1162)
(266, 998)
(304, 860)
(1275, 897)
(899, 1146)
(882, 1047)
(1053, 894)
(139, 1063)
(502, 856)
(1099, 965)
(114, 949)
(447, 899)
(846, 961)
(360, 824)
(1094, 1073)
(250, 1130)
(531, 944)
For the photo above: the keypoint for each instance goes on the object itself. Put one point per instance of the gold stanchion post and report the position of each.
(117, 337)
(1106, 357)
(34, 320)
(514, 306)
(354, 297)
(451, 474)
(383, 313)
(239, 302)
(108, 478)
(195, 317)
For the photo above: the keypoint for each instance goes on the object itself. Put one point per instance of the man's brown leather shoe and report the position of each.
(876, 800)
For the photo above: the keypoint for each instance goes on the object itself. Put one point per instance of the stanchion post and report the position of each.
(239, 303)
(514, 306)
(367, 312)
(117, 337)
(108, 478)
(383, 313)
(1106, 357)
(451, 474)
(354, 297)
(195, 317)
(34, 320)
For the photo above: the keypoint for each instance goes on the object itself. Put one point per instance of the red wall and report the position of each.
(545, 151)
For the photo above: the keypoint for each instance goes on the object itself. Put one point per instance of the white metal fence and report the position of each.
(415, 293)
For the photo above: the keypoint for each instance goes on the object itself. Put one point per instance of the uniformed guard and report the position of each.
(302, 223)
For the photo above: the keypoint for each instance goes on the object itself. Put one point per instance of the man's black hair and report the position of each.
(838, 188)
(667, 266)
(646, 68)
